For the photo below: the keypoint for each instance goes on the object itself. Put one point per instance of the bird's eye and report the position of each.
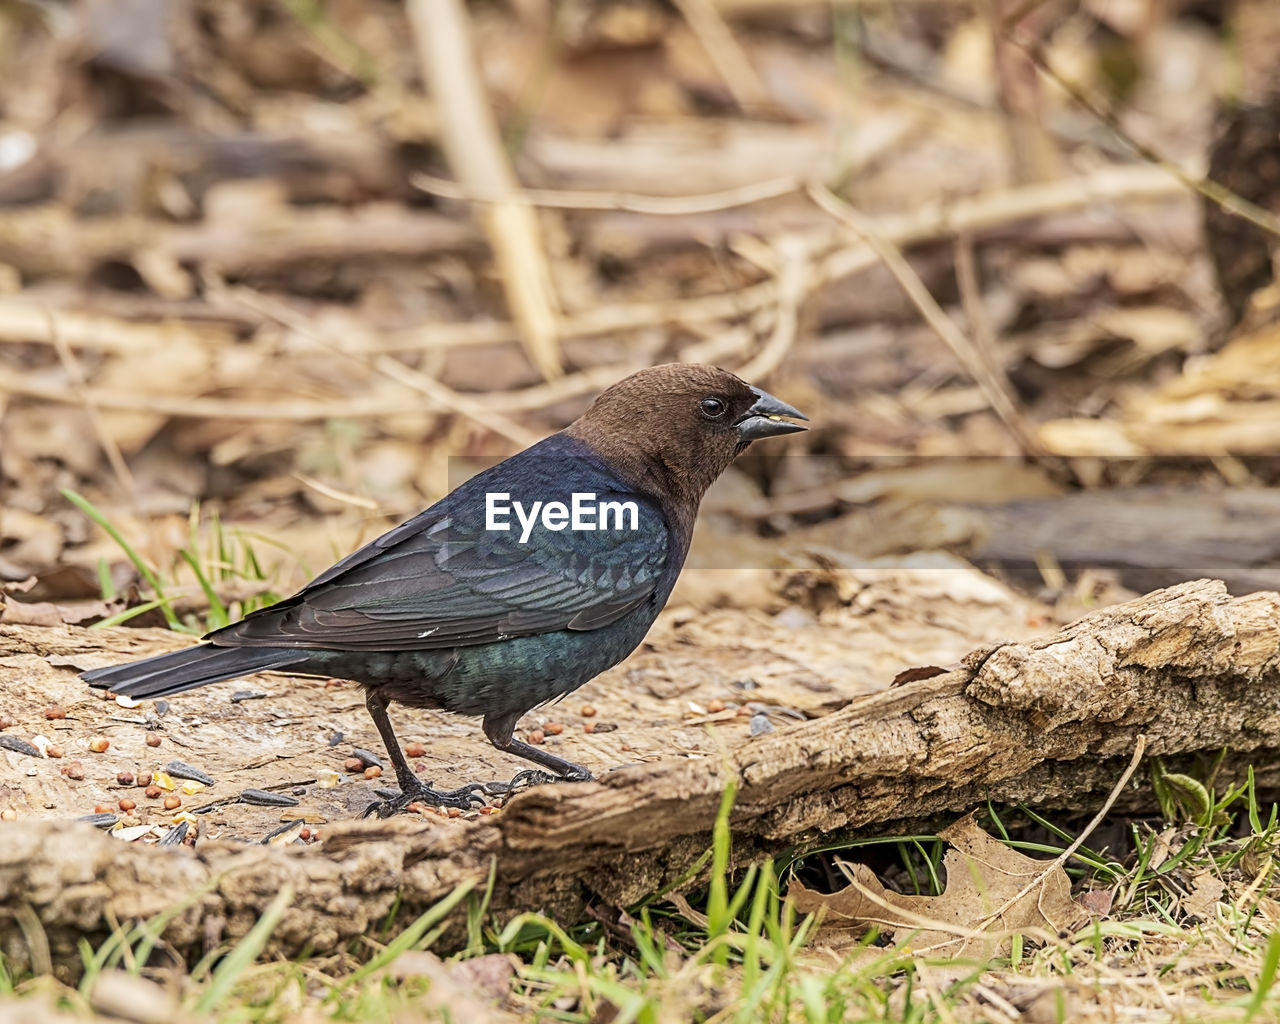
(712, 408)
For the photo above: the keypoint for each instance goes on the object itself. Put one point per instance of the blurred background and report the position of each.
(274, 274)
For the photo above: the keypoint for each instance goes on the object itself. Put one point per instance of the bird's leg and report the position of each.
(411, 789)
(501, 732)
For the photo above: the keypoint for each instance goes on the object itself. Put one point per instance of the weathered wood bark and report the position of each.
(1050, 722)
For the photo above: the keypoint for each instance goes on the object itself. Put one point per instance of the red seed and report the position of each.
(588, 726)
(353, 764)
(625, 747)
(144, 779)
(99, 744)
(74, 770)
(452, 812)
(55, 711)
(305, 834)
(372, 772)
(172, 803)
(588, 711)
(414, 750)
(537, 737)
(53, 750)
(102, 809)
(715, 705)
(125, 778)
(153, 740)
(126, 804)
(153, 792)
(555, 728)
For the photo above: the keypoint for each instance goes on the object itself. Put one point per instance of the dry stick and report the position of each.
(975, 214)
(440, 394)
(975, 310)
(76, 380)
(1207, 187)
(629, 202)
(989, 378)
(474, 147)
(731, 63)
(794, 276)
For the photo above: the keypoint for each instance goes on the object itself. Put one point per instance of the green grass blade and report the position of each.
(245, 953)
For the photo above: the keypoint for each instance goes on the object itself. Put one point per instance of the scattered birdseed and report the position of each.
(5, 721)
(126, 702)
(99, 744)
(54, 712)
(242, 695)
(714, 706)
(74, 770)
(372, 772)
(153, 740)
(153, 792)
(368, 758)
(104, 820)
(588, 711)
(125, 804)
(144, 779)
(327, 778)
(53, 750)
(605, 727)
(124, 778)
(41, 743)
(554, 728)
(414, 750)
(335, 738)
(182, 770)
(760, 724)
(588, 726)
(162, 708)
(172, 803)
(18, 746)
(131, 833)
(353, 764)
(265, 798)
(175, 835)
(537, 736)
(285, 834)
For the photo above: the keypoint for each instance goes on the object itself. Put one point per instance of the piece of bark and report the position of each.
(1050, 722)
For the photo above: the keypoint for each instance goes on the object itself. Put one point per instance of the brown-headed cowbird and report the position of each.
(515, 588)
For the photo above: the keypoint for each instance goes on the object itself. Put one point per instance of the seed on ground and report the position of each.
(153, 792)
(537, 736)
(8, 814)
(144, 779)
(126, 804)
(372, 772)
(588, 711)
(453, 812)
(74, 770)
(55, 711)
(305, 834)
(124, 778)
(353, 764)
(414, 750)
(554, 728)
(588, 726)
(172, 803)
(99, 744)
(153, 740)
(53, 750)
(102, 809)
(715, 705)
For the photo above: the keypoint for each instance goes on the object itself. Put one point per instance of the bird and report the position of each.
(490, 604)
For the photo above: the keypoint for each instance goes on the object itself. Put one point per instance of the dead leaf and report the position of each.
(1206, 892)
(982, 906)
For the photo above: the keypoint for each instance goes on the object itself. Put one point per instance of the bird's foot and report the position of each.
(394, 801)
(534, 777)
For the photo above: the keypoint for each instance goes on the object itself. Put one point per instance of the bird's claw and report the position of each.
(394, 801)
(528, 778)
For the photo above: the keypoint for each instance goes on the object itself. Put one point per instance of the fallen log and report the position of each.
(1050, 722)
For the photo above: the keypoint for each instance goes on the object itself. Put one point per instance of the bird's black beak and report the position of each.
(765, 418)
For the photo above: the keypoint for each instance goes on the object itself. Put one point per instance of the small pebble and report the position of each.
(153, 792)
(554, 728)
(153, 740)
(74, 770)
(537, 737)
(715, 705)
(55, 711)
(99, 744)
(372, 772)
(414, 750)
(125, 778)
(125, 804)
(172, 803)
(53, 750)
(588, 711)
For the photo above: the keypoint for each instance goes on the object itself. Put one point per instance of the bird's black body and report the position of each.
(447, 612)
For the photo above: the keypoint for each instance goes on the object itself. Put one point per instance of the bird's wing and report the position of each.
(443, 579)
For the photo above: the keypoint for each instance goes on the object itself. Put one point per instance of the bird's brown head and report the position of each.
(675, 428)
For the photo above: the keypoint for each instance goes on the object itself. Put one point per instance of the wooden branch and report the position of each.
(1051, 722)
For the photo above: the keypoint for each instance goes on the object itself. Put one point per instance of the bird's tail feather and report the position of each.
(167, 674)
